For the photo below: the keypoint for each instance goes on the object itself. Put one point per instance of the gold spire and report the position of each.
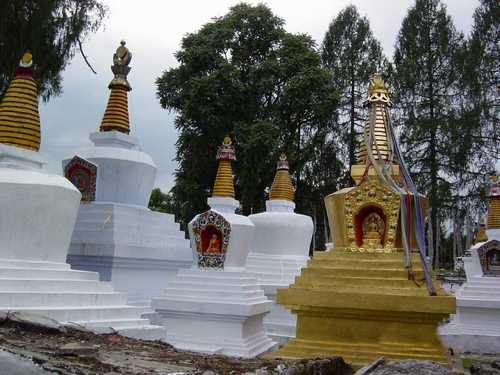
(494, 206)
(19, 117)
(116, 114)
(223, 186)
(378, 99)
(282, 187)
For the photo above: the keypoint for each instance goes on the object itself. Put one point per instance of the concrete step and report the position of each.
(54, 285)
(354, 272)
(216, 277)
(145, 332)
(14, 300)
(85, 313)
(54, 274)
(215, 294)
(196, 285)
(113, 323)
(7, 263)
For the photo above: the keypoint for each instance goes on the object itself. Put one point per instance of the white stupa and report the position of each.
(36, 220)
(137, 249)
(279, 249)
(476, 326)
(215, 307)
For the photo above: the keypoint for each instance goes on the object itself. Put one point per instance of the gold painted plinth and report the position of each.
(361, 306)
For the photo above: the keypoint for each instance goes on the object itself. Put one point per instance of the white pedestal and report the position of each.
(278, 251)
(36, 220)
(212, 311)
(273, 272)
(138, 250)
(217, 310)
(476, 326)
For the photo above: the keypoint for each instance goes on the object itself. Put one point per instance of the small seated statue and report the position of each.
(373, 229)
(214, 245)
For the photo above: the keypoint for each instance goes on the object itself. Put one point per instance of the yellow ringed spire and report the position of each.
(19, 117)
(282, 187)
(494, 206)
(116, 115)
(224, 186)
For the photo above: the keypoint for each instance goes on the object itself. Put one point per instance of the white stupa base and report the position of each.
(137, 249)
(214, 311)
(476, 326)
(36, 220)
(71, 297)
(273, 272)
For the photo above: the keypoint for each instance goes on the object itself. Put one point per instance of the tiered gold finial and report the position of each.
(282, 187)
(19, 117)
(224, 186)
(378, 97)
(494, 206)
(116, 114)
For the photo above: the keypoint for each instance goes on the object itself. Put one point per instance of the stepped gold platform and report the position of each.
(360, 305)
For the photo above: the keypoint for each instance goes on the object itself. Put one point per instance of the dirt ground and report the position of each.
(77, 352)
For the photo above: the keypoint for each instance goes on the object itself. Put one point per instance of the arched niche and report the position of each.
(360, 217)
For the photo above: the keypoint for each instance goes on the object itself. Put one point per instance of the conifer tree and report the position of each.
(427, 80)
(353, 54)
(51, 30)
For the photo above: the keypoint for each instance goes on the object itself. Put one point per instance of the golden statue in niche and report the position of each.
(214, 245)
(373, 230)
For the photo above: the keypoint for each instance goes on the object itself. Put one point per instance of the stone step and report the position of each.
(54, 285)
(352, 272)
(85, 313)
(337, 281)
(366, 256)
(272, 268)
(55, 274)
(362, 264)
(7, 263)
(177, 296)
(215, 294)
(145, 332)
(14, 300)
(274, 263)
(478, 292)
(217, 277)
(196, 285)
(485, 281)
(113, 323)
(265, 277)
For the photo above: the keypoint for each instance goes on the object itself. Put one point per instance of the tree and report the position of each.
(161, 202)
(353, 54)
(242, 74)
(449, 149)
(51, 31)
(479, 105)
(426, 82)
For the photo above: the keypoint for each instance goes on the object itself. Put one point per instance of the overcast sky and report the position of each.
(153, 30)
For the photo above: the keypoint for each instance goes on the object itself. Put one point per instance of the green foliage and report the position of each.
(445, 102)
(50, 30)
(161, 202)
(353, 54)
(243, 75)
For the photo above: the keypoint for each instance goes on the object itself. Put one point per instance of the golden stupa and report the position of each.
(19, 117)
(116, 113)
(370, 296)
